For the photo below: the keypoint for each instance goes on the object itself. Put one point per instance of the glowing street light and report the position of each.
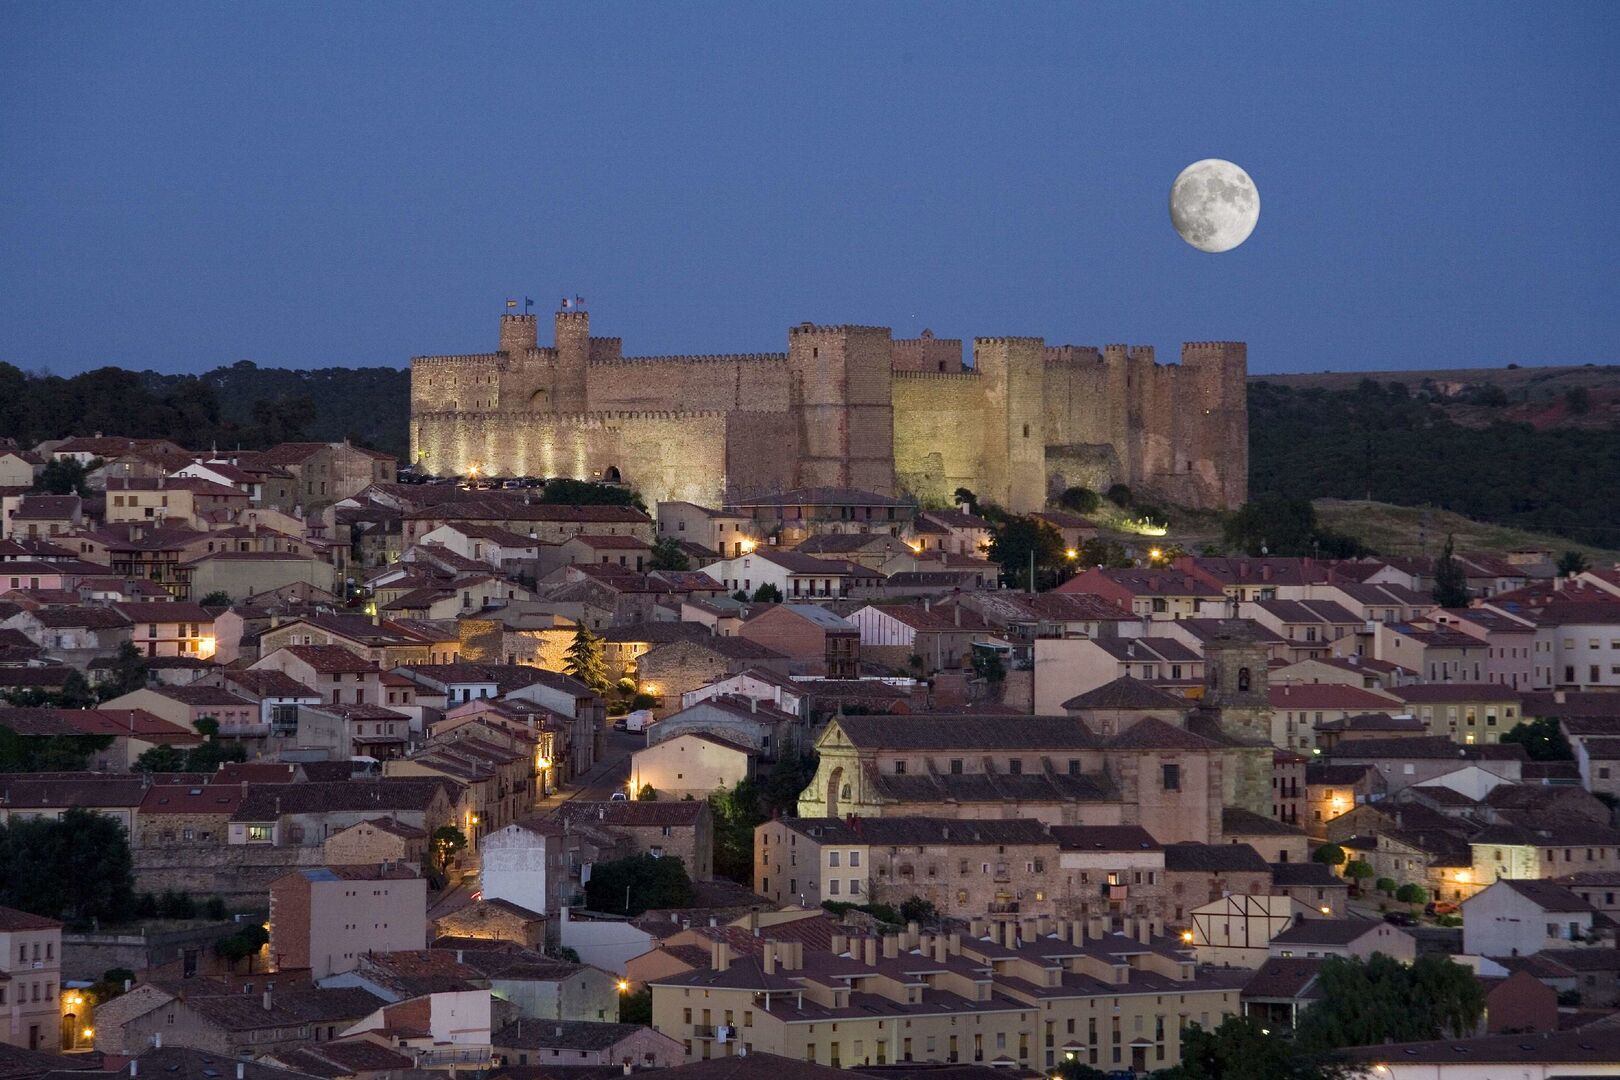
(624, 986)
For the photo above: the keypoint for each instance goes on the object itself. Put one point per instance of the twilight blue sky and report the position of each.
(189, 184)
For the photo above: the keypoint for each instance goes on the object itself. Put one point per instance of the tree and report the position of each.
(740, 596)
(1240, 1049)
(987, 665)
(1380, 999)
(47, 753)
(767, 594)
(1082, 500)
(1450, 580)
(215, 909)
(667, 555)
(1331, 854)
(1571, 563)
(1542, 739)
(1109, 554)
(177, 905)
(1411, 894)
(1119, 495)
(647, 793)
(242, 945)
(1072, 1069)
(446, 841)
(1386, 885)
(1358, 870)
(75, 868)
(1016, 539)
(916, 909)
(585, 660)
(636, 1008)
(964, 497)
(129, 672)
(631, 885)
(62, 476)
(217, 598)
(736, 813)
(1272, 525)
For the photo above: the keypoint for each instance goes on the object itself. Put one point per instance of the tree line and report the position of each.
(242, 405)
(1384, 441)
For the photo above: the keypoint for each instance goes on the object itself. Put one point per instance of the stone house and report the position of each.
(1407, 761)
(180, 815)
(1275, 841)
(32, 516)
(328, 918)
(1556, 848)
(374, 842)
(239, 574)
(325, 473)
(1313, 884)
(681, 829)
(1151, 594)
(490, 919)
(671, 670)
(794, 576)
(276, 694)
(1333, 790)
(965, 869)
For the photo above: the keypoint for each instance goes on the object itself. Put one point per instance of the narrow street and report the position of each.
(609, 775)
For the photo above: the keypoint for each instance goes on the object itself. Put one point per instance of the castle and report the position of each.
(845, 406)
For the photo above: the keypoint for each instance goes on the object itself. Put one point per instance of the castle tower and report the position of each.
(839, 388)
(1013, 370)
(1215, 406)
(518, 335)
(573, 341)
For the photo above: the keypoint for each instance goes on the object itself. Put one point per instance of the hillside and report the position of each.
(1415, 530)
(1461, 448)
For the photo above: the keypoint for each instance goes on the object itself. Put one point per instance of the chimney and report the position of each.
(956, 612)
(241, 1069)
(157, 1041)
(753, 922)
(838, 944)
(458, 956)
(1077, 932)
(768, 958)
(869, 947)
(1144, 931)
(134, 1068)
(268, 1001)
(719, 957)
(891, 947)
(753, 704)
(940, 948)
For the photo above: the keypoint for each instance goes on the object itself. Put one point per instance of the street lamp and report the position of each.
(624, 986)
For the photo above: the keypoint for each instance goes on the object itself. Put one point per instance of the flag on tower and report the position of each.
(566, 302)
(527, 303)
(510, 303)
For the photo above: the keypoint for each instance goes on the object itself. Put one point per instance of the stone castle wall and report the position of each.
(845, 406)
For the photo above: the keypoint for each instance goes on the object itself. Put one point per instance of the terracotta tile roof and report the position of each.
(1326, 696)
(330, 659)
(1105, 838)
(13, 921)
(636, 814)
(1325, 931)
(1213, 858)
(223, 799)
(1236, 821)
(921, 830)
(921, 732)
(156, 612)
(1127, 693)
(265, 802)
(586, 1035)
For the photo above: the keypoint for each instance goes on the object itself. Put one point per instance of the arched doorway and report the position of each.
(834, 783)
(611, 475)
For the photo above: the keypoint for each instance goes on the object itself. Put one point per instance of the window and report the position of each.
(956, 766)
(1171, 775)
(258, 832)
(832, 858)
(854, 858)
(832, 887)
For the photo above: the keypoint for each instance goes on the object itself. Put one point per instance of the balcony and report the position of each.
(1116, 893)
(1004, 907)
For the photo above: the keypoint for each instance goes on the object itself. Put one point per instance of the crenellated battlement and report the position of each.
(464, 360)
(1014, 340)
(842, 328)
(716, 358)
(947, 376)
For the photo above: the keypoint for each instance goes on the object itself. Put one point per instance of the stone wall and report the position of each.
(239, 872)
(938, 439)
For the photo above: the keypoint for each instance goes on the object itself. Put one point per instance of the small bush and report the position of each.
(1119, 495)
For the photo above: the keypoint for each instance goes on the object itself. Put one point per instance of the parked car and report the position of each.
(1401, 918)
(618, 796)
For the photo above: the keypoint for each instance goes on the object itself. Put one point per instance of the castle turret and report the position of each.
(840, 390)
(518, 335)
(573, 341)
(1014, 374)
(1215, 404)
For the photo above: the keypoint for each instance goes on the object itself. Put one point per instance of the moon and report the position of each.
(1214, 205)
